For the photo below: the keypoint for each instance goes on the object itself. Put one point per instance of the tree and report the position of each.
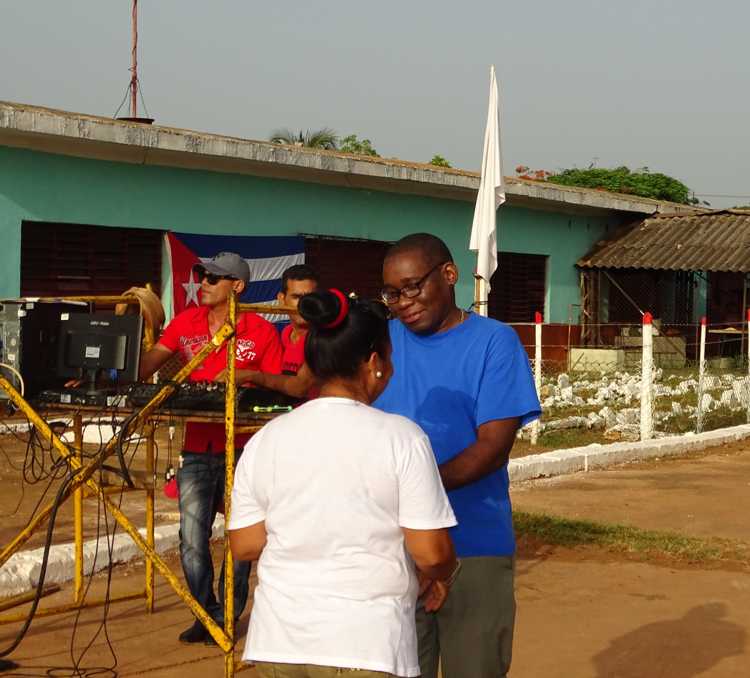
(439, 161)
(351, 144)
(641, 182)
(323, 138)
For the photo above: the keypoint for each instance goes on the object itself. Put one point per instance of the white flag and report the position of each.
(491, 193)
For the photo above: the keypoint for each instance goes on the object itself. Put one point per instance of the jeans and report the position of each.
(200, 479)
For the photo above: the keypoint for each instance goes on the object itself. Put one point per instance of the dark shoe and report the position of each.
(210, 639)
(195, 634)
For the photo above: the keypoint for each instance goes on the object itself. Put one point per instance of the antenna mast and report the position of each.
(134, 64)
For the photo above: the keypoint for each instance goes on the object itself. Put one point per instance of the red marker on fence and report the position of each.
(538, 318)
(537, 369)
(647, 361)
(704, 322)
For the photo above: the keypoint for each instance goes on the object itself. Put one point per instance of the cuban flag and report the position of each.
(267, 256)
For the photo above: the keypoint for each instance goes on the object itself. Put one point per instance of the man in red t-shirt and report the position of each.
(200, 477)
(295, 378)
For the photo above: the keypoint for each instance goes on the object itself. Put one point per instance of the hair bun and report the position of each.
(320, 308)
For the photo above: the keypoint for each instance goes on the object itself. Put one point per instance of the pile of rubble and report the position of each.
(613, 401)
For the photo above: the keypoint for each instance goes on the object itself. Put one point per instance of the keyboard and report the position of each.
(210, 396)
(105, 397)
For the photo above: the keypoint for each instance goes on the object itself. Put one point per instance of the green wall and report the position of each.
(44, 187)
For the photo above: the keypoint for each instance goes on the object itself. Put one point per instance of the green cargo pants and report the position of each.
(277, 670)
(472, 634)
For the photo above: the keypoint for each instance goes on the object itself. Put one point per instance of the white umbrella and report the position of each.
(491, 195)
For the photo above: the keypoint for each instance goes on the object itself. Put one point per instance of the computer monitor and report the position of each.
(90, 342)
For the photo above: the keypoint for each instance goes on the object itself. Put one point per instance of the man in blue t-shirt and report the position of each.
(466, 381)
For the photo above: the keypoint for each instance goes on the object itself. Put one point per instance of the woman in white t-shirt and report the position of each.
(340, 501)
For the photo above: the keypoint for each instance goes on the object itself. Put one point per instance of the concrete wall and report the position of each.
(45, 187)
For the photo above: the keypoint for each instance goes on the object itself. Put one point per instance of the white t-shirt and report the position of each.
(334, 481)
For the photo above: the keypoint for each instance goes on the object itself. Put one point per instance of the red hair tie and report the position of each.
(343, 309)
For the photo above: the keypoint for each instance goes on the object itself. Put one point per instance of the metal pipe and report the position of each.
(92, 299)
(150, 445)
(250, 428)
(69, 607)
(22, 598)
(264, 308)
(230, 405)
(22, 537)
(78, 514)
(217, 633)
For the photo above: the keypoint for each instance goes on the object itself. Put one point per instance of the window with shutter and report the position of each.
(72, 259)
(351, 265)
(518, 287)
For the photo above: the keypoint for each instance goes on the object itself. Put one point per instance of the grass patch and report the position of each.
(563, 411)
(558, 440)
(571, 437)
(564, 532)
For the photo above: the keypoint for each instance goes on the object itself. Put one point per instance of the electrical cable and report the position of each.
(43, 568)
(110, 543)
(75, 670)
(124, 99)
(120, 455)
(17, 374)
(103, 625)
(51, 476)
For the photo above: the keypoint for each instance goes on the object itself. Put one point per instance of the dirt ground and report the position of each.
(19, 498)
(582, 613)
(707, 495)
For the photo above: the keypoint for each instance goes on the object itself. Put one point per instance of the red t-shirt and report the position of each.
(258, 348)
(294, 351)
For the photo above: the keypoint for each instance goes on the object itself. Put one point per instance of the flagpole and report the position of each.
(480, 296)
(490, 196)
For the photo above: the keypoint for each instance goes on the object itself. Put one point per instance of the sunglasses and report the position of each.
(211, 278)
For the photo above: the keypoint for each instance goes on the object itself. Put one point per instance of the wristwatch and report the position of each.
(449, 581)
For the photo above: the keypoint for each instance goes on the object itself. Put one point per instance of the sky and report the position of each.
(663, 84)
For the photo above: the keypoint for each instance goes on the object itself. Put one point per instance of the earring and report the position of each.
(379, 374)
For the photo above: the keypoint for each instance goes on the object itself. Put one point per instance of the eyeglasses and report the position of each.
(211, 278)
(391, 295)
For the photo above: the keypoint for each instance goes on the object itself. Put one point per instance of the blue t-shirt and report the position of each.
(450, 383)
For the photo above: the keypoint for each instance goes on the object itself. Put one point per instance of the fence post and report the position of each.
(647, 422)
(537, 370)
(701, 376)
(747, 380)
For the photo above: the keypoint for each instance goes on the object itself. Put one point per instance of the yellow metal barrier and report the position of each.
(83, 484)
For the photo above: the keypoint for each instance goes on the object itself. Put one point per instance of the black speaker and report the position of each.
(29, 334)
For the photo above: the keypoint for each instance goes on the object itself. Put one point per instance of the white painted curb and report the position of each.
(578, 459)
(21, 572)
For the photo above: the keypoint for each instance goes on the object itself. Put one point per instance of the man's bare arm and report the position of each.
(295, 385)
(152, 360)
(489, 453)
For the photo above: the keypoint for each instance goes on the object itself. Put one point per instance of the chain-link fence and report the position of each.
(641, 381)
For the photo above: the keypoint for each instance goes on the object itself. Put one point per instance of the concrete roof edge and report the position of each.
(89, 129)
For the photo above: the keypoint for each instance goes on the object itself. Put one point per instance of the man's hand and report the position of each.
(489, 453)
(240, 376)
(432, 592)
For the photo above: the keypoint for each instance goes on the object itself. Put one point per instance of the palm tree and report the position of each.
(323, 138)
